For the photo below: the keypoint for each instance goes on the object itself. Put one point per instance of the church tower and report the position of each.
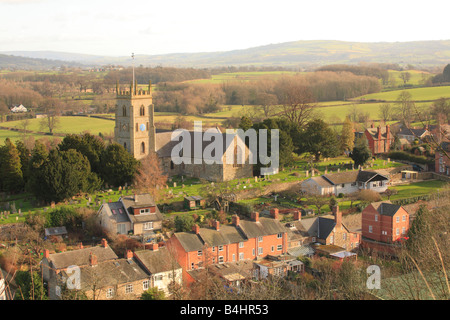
(135, 128)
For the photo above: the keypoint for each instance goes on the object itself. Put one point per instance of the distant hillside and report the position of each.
(26, 63)
(304, 54)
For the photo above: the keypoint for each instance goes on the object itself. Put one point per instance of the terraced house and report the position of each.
(242, 240)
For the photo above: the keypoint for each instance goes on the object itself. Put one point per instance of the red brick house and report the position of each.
(384, 222)
(239, 241)
(442, 162)
(380, 139)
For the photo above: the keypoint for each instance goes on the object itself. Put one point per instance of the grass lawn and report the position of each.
(418, 189)
(418, 94)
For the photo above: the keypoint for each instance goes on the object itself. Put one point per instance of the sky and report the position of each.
(118, 28)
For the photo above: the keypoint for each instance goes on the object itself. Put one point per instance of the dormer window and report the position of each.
(143, 211)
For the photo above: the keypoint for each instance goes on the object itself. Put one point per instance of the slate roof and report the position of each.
(157, 261)
(321, 181)
(55, 231)
(80, 257)
(164, 144)
(374, 133)
(386, 208)
(342, 177)
(111, 273)
(144, 200)
(325, 226)
(189, 241)
(265, 227)
(115, 211)
(225, 235)
(412, 132)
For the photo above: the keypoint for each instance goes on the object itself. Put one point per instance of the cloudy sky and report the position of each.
(117, 28)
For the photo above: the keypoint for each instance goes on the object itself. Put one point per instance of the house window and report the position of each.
(376, 218)
(397, 219)
(144, 211)
(121, 228)
(148, 226)
(253, 252)
(220, 259)
(213, 249)
(192, 266)
(220, 248)
(241, 256)
(233, 257)
(353, 184)
(145, 285)
(370, 229)
(213, 260)
(272, 248)
(343, 185)
(332, 239)
(397, 231)
(241, 244)
(158, 277)
(260, 239)
(403, 230)
(403, 218)
(344, 236)
(279, 236)
(199, 253)
(110, 293)
(129, 288)
(279, 247)
(260, 251)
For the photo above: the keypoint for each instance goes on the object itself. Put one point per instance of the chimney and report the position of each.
(135, 197)
(371, 125)
(104, 243)
(196, 228)
(216, 225)
(379, 132)
(93, 259)
(297, 215)
(337, 216)
(154, 247)
(46, 253)
(274, 213)
(129, 254)
(235, 220)
(255, 216)
(81, 245)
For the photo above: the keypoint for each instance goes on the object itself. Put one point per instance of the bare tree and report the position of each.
(150, 177)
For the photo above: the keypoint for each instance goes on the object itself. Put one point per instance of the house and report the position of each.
(345, 182)
(161, 265)
(328, 230)
(135, 215)
(239, 241)
(118, 279)
(379, 139)
(384, 222)
(442, 160)
(411, 134)
(194, 202)
(52, 265)
(440, 132)
(276, 266)
(18, 109)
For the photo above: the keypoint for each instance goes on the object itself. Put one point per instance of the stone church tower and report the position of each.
(135, 128)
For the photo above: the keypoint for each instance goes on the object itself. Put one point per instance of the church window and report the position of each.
(137, 127)
(125, 145)
(142, 111)
(142, 148)
(172, 166)
(124, 111)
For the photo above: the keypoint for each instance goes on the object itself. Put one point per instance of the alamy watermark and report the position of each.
(374, 279)
(232, 144)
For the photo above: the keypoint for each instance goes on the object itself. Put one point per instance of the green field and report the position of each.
(417, 76)
(242, 76)
(418, 94)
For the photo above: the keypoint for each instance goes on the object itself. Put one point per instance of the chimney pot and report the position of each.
(337, 216)
(93, 259)
(46, 253)
(297, 215)
(217, 225)
(235, 220)
(154, 246)
(129, 254)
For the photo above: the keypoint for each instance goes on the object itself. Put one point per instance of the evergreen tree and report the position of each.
(11, 177)
(29, 286)
(319, 139)
(118, 166)
(361, 152)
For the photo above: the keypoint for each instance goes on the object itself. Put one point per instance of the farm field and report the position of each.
(241, 76)
(418, 94)
(417, 76)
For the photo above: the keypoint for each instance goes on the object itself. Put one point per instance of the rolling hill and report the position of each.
(303, 54)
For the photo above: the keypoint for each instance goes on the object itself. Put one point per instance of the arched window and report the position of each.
(237, 156)
(124, 111)
(142, 148)
(125, 145)
(142, 111)
(172, 165)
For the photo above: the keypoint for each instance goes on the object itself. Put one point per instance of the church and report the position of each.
(135, 131)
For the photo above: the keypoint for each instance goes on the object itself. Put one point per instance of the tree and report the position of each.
(318, 201)
(149, 177)
(405, 76)
(118, 166)
(390, 192)
(368, 196)
(319, 139)
(63, 174)
(52, 109)
(184, 223)
(347, 136)
(153, 294)
(296, 99)
(405, 107)
(361, 152)
(29, 286)
(385, 112)
(245, 123)
(11, 176)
